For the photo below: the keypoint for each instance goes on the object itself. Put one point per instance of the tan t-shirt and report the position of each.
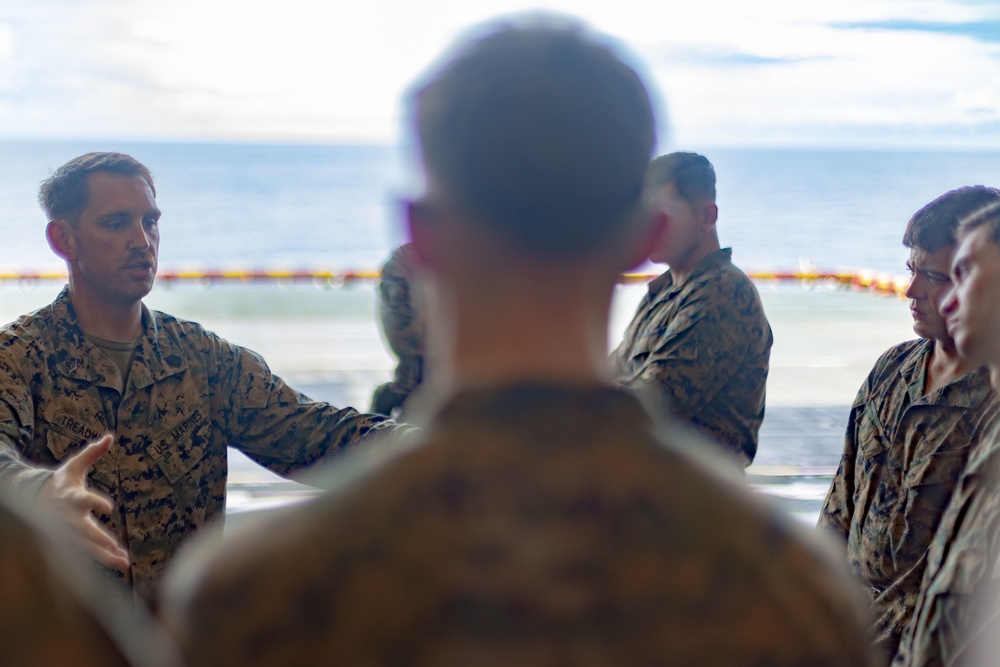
(121, 354)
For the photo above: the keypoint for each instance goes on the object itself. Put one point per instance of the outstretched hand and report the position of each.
(76, 505)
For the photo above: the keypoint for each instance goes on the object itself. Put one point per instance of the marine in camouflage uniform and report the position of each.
(404, 329)
(903, 454)
(703, 345)
(957, 620)
(957, 614)
(915, 420)
(188, 395)
(534, 524)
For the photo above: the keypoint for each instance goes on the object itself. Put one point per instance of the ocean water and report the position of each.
(336, 206)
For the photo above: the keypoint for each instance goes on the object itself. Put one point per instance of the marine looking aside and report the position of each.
(957, 619)
(699, 341)
(542, 517)
(170, 394)
(911, 428)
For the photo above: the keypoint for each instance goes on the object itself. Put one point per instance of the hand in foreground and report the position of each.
(75, 505)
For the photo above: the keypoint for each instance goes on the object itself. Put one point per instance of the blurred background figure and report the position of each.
(542, 516)
(402, 320)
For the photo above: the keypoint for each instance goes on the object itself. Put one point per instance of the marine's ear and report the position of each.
(61, 238)
(709, 214)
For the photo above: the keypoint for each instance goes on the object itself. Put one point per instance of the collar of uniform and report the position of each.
(967, 391)
(75, 355)
(663, 283)
(546, 399)
(76, 358)
(159, 354)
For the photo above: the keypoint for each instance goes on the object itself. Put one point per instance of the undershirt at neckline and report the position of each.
(121, 354)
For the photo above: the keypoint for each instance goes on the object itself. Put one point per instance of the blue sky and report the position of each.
(785, 73)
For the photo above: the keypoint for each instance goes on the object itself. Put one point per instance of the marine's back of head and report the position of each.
(539, 132)
(691, 174)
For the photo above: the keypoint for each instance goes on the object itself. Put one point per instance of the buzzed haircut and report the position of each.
(692, 175)
(541, 132)
(988, 215)
(935, 226)
(64, 194)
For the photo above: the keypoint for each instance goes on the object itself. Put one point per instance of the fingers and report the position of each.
(68, 483)
(86, 500)
(102, 546)
(80, 463)
(76, 505)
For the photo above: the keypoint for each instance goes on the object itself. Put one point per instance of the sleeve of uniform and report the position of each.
(697, 354)
(277, 426)
(838, 508)
(615, 363)
(16, 424)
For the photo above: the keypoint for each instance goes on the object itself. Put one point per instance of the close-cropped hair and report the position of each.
(541, 132)
(691, 174)
(988, 215)
(65, 193)
(935, 226)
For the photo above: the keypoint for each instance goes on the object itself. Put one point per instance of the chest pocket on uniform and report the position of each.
(103, 474)
(180, 447)
(943, 467)
(872, 434)
(928, 485)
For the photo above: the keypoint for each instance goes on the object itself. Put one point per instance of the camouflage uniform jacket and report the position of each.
(903, 455)
(704, 345)
(189, 394)
(403, 326)
(957, 618)
(530, 525)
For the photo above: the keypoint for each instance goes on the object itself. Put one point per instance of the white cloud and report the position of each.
(773, 71)
(6, 41)
(821, 84)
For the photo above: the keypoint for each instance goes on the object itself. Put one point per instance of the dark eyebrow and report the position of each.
(114, 215)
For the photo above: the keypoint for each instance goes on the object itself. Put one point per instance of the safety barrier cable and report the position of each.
(872, 281)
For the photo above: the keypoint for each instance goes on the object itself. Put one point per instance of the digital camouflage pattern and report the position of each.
(957, 619)
(704, 345)
(531, 525)
(189, 394)
(903, 454)
(50, 616)
(404, 328)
